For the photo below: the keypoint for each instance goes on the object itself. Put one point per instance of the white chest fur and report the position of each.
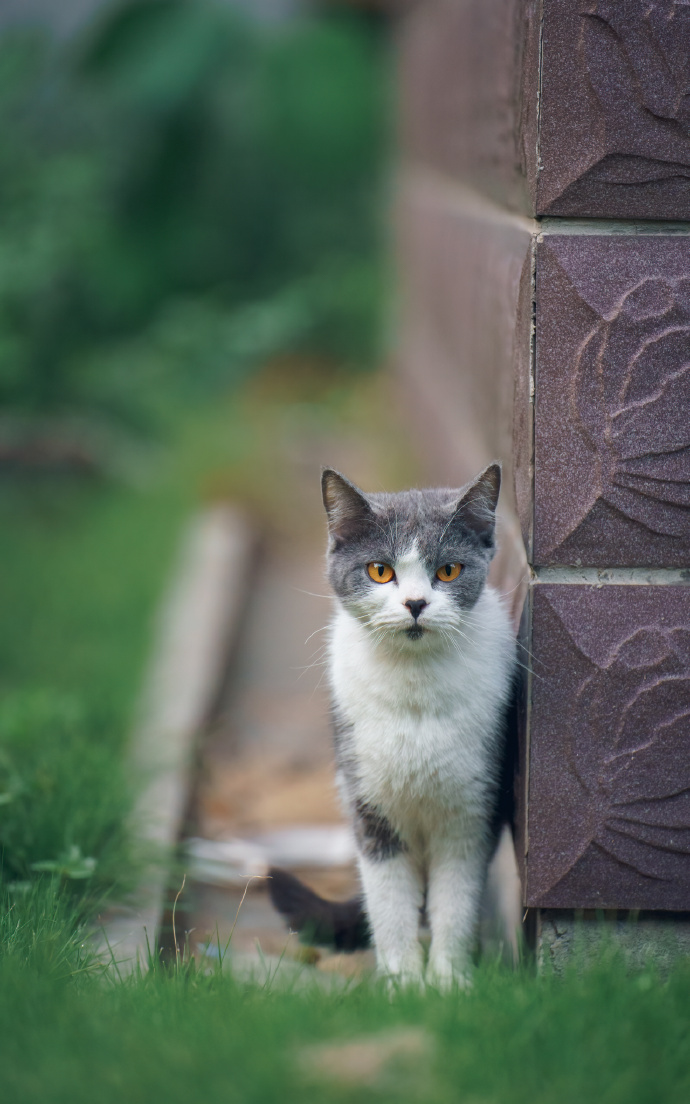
(424, 720)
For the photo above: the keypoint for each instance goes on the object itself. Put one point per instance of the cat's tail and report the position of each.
(342, 924)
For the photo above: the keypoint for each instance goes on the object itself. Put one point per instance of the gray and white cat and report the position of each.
(421, 661)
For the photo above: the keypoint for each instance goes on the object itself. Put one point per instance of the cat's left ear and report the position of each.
(477, 507)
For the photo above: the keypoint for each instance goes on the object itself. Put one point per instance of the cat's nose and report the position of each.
(415, 606)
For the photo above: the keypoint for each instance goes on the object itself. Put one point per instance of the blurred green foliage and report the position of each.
(83, 565)
(53, 764)
(184, 194)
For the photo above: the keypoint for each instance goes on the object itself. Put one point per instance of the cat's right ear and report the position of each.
(346, 506)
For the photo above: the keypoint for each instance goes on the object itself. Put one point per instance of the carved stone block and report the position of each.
(614, 119)
(609, 748)
(612, 415)
(612, 134)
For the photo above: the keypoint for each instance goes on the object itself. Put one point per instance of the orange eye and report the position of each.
(448, 572)
(380, 573)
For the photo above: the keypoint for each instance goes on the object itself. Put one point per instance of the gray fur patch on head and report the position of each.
(443, 526)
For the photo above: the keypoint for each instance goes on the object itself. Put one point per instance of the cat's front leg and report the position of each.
(457, 872)
(393, 894)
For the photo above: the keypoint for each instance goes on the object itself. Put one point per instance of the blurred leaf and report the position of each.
(156, 53)
(71, 864)
(191, 195)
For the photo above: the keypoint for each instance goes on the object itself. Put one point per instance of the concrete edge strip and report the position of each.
(612, 576)
(609, 226)
(197, 627)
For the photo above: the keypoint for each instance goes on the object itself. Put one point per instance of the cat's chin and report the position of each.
(415, 633)
(417, 640)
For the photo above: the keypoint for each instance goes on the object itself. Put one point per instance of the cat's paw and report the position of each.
(405, 974)
(445, 976)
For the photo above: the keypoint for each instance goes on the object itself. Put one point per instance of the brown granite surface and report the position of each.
(468, 79)
(609, 789)
(463, 275)
(612, 431)
(614, 119)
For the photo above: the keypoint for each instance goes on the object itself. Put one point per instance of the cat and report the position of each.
(421, 663)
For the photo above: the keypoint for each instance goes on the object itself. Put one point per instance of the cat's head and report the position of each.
(411, 566)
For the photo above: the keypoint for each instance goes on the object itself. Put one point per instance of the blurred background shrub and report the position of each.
(184, 193)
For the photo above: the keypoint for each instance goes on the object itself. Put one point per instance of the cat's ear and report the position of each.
(346, 506)
(477, 507)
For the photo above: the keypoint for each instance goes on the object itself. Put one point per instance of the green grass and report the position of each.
(602, 1036)
(43, 933)
(65, 796)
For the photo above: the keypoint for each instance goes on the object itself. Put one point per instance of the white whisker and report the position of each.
(322, 628)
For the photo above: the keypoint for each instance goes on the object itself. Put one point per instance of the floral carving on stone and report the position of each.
(612, 421)
(631, 401)
(611, 826)
(615, 130)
